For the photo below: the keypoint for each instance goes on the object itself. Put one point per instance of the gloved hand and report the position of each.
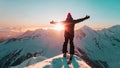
(52, 22)
(87, 17)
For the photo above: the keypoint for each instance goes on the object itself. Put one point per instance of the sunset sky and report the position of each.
(40, 12)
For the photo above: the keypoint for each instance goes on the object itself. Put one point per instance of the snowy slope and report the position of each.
(56, 62)
(102, 46)
(30, 61)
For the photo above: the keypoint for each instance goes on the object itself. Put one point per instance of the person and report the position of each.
(69, 24)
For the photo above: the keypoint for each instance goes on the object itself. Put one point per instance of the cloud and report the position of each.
(9, 31)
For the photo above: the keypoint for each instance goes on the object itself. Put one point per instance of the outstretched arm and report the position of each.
(53, 22)
(82, 19)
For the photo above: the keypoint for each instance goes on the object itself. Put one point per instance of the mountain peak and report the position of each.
(116, 27)
(59, 62)
(85, 27)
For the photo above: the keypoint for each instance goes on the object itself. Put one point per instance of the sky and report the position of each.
(31, 13)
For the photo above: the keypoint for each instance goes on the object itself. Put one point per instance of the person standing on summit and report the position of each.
(69, 25)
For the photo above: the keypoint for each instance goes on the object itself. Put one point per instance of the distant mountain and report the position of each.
(101, 47)
(46, 43)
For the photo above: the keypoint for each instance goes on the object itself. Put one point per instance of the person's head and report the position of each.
(69, 17)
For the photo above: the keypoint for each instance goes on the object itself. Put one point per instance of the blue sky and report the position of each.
(38, 12)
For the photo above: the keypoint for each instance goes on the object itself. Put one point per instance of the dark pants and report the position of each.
(68, 39)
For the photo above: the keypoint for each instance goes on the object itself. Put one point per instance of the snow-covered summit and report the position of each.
(55, 62)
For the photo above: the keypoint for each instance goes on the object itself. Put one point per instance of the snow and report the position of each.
(30, 61)
(42, 43)
(102, 45)
(56, 62)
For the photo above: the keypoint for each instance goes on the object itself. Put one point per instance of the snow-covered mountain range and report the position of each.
(98, 48)
(45, 43)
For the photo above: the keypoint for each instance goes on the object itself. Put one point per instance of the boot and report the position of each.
(70, 59)
(64, 54)
(69, 62)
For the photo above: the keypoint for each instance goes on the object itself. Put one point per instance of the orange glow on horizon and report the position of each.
(47, 26)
